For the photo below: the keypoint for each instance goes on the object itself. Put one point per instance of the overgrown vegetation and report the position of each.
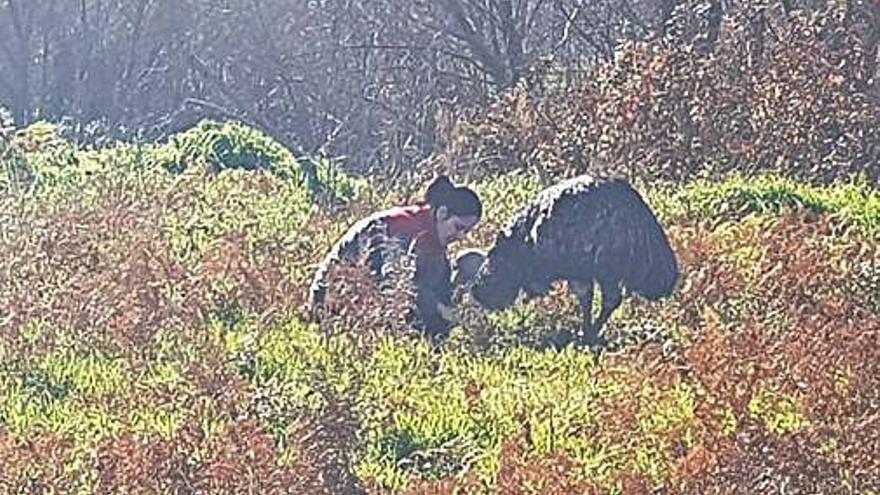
(153, 340)
(385, 83)
(794, 102)
(153, 336)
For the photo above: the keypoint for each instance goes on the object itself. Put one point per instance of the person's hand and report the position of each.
(447, 313)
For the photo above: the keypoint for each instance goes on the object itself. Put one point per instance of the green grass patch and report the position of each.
(855, 202)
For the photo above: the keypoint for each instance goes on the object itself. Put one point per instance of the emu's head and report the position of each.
(466, 265)
(500, 277)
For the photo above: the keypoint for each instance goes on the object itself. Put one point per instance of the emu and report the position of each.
(584, 231)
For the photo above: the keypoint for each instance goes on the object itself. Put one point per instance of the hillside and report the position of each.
(152, 339)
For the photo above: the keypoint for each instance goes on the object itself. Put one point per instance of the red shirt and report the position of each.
(417, 224)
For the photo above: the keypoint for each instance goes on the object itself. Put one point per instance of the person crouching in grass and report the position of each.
(424, 230)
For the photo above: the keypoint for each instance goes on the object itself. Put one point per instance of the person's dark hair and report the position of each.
(459, 201)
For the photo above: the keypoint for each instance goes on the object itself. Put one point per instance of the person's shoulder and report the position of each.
(407, 211)
(411, 219)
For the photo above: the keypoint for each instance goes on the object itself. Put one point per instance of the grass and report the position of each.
(152, 336)
(855, 202)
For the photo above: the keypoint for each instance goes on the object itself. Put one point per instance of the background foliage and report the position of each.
(152, 332)
(386, 83)
(152, 341)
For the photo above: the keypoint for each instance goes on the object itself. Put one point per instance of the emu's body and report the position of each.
(583, 231)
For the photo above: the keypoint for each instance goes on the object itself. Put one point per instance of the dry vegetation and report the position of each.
(795, 102)
(159, 349)
(153, 339)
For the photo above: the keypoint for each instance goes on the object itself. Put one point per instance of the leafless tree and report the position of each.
(375, 81)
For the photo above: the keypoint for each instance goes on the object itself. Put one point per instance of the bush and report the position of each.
(152, 338)
(35, 157)
(676, 110)
(234, 146)
(224, 146)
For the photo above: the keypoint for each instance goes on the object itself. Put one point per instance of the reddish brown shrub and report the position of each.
(778, 91)
(243, 458)
(36, 464)
(801, 334)
(249, 278)
(554, 474)
(355, 303)
(148, 466)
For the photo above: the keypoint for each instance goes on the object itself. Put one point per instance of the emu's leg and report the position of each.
(584, 292)
(611, 299)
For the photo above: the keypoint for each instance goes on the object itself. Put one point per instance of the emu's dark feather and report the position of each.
(583, 231)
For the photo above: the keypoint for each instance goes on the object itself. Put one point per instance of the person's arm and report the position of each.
(434, 293)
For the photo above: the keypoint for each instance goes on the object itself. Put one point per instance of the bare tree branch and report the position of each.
(481, 52)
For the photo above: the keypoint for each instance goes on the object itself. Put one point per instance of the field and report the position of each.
(152, 340)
